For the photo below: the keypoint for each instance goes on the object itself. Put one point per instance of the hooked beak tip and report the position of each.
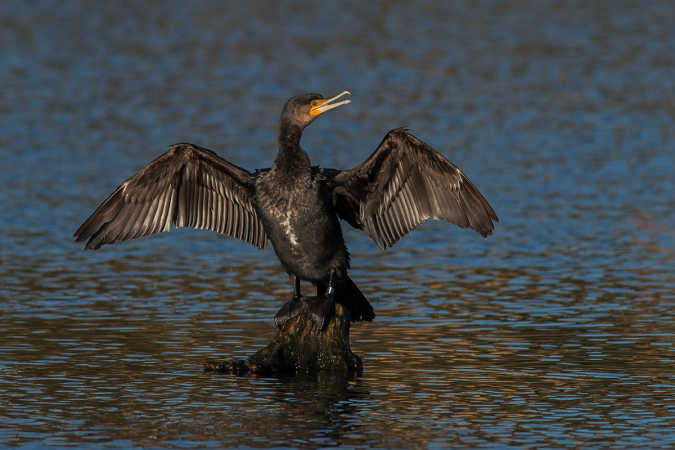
(329, 104)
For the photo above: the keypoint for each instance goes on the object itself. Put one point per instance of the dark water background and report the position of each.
(555, 331)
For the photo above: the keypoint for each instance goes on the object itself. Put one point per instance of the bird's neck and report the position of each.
(291, 158)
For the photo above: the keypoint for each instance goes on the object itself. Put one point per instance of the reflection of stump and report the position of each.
(301, 348)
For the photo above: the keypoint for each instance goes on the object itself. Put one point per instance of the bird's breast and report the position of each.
(302, 226)
(284, 208)
(289, 225)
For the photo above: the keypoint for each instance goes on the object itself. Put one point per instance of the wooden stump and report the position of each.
(301, 348)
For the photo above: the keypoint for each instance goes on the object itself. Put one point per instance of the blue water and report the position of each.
(555, 331)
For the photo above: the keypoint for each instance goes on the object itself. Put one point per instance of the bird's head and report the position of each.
(303, 109)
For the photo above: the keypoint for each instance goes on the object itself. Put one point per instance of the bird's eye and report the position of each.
(314, 103)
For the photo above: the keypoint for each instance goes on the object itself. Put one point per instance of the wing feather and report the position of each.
(159, 217)
(188, 186)
(403, 183)
(218, 225)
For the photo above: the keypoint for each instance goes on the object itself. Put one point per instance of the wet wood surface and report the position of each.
(301, 348)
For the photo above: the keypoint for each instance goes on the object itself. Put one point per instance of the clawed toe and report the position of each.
(320, 311)
(289, 310)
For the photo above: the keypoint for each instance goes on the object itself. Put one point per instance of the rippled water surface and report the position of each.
(555, 331)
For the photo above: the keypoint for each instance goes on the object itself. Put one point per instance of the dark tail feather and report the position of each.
(349, 296)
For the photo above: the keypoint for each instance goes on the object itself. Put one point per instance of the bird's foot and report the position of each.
(289, 310)
(320, 311)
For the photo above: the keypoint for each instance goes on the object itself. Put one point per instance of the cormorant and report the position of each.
(294, 205)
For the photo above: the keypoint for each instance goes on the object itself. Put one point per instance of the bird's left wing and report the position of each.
(188, 186)
(402, 184)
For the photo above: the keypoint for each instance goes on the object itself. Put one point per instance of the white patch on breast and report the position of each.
(288, 230)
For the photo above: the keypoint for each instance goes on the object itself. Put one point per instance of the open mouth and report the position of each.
(326, 105)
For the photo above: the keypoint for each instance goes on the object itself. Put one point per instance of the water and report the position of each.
(555, 331)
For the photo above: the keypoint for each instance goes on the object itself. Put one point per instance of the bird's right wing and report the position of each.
(188, 186)
(402, 184)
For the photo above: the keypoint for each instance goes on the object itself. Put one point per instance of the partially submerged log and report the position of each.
(301, 348)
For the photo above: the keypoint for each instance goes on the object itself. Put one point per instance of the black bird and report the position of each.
(296, 206)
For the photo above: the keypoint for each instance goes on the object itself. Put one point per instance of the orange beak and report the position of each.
(321, 106)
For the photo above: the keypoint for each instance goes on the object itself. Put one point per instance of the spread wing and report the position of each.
(402, 184)
(187, 186)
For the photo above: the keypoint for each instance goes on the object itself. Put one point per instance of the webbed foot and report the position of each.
(289, 310)
(320, 311)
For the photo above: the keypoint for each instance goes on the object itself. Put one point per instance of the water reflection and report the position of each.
(556, 331)
(501, 357)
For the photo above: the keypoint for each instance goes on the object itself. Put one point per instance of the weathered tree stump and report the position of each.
(301, 348)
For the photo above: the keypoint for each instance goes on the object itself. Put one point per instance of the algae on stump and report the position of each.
(300, 347)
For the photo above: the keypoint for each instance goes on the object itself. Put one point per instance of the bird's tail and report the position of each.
(351, 297)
